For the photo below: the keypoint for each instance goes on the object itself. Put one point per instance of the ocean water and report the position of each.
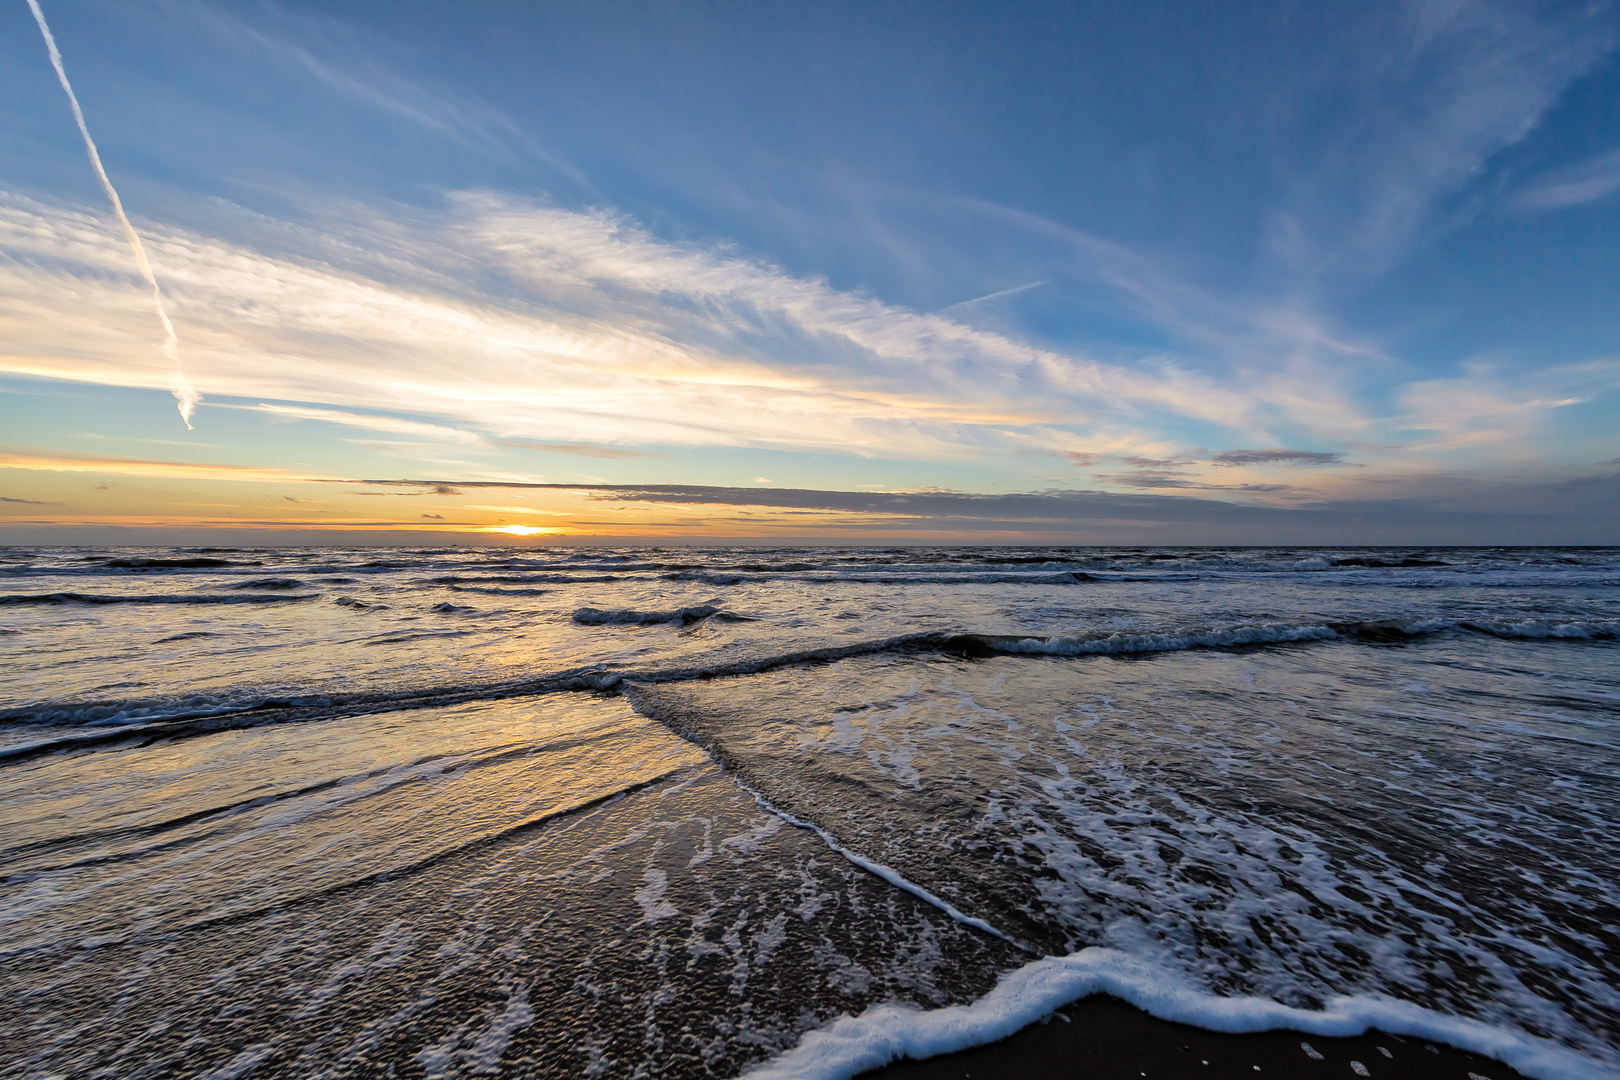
(682, 812)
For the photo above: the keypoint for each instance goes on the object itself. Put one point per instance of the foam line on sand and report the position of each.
(893, 877)
(888, 1033)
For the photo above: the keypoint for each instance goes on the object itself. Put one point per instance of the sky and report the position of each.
(1167, 272)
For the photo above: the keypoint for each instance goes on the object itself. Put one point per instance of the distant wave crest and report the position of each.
(156, 598)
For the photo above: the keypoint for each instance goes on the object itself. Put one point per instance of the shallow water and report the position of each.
(297, 812)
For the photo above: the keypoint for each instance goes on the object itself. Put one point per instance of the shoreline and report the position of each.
(1104, 1038)
(1103, 1013)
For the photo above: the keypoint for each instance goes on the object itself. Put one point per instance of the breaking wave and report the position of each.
(888, 1033)
(1381, 631)
(158, 598)
(205, 713)
(686, 616)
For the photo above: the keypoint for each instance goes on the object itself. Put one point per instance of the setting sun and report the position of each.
(522, 530)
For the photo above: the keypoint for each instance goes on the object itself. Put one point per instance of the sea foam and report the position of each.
(887, 1033)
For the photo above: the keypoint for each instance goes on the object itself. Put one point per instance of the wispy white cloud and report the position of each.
(1587, 182)
(357, 67)
(498, 323)
(399, 425)
(609, 453)
(612, 337)
(1293, 369)
(1421, 102)
(97, 436)
(1489, 409)
(434, 433)
(1426, 104)
(176, 470)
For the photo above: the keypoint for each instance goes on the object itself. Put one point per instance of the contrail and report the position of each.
(183, 393)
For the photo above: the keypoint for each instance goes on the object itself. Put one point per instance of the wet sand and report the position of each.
(1102, 1038)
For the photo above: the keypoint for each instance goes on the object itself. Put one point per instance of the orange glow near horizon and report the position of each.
(153, 502)
(524, 530)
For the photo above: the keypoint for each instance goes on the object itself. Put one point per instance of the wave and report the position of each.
(960, 567)
(937, 566)
(1535, 629)
(887, 1033)
(176, 564)
(829, 575)
(126, 717)
(986, 644)
(686, 616)
(1064, 578)
(112, 721)
(490, 591)
(704, 577)
(156, 598)
(1374, 631)
(1397, 630)
(541, 578)
(831, 570)
(455, 581)
(153, 718)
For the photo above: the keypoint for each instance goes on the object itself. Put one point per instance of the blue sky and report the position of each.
(1350, 262)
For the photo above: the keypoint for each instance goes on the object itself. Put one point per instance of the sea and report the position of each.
(689, 812)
